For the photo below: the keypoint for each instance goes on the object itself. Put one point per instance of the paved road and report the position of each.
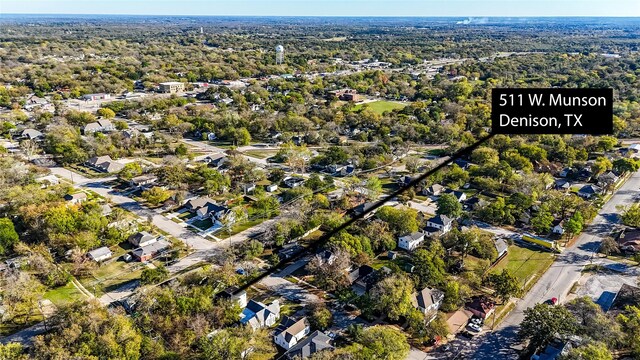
(558, 280)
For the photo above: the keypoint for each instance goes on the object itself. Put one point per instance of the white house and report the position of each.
(460, 196)
(100, 254)
(290, 332)
(411, 241)
(258, 315)
(428, 301)
(440, 222)
(272, 187)
(76, 198)
(558, 227)
(102, 125)
(141, 239)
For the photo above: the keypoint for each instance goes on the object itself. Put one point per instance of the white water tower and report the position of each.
(279, 54)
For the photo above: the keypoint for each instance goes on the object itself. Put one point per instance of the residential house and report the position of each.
(32, 134)
(566, 172)
(562, 184)
(316, 342)
(143, 181)
(607, 179)
(216, 160)
(231, 293)
(428, 301)
(100, 254)
(289, 250)
(93, 97)
(588, 191)
(558, 226)
(364, 208)
(481, 306)
(411, 241)
(327, 257)
(460, 196)
(584, 174)
(271, 188)
(102, 125)
(258, 315)
(149, 251)
(346, 94)
(462, 163)
(474, 203)
(629, 240)
(205, 207)
(75, 199)
(439, 223)
(628, 295)
(501, 247)
(106, 209)
(141, 238)
(558, 348)
(104, 164)
(171, 87)
(249, 188)
(293, 181)
(365, 278)
(434, 190)
(290, 332)
(34, 102)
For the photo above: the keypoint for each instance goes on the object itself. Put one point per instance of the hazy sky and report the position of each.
(329, 7)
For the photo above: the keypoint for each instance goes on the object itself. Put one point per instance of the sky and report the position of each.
(455, 8)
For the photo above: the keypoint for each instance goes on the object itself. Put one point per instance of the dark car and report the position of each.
(551, 301)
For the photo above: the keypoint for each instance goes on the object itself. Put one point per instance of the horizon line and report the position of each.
(337, 16)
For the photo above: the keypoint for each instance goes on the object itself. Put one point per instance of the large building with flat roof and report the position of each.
(171, 87)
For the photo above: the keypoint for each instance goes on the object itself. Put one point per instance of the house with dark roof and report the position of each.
(363, 208)
(628, 295)
(607, 179)
(151, 250)
(204, 207)
(460, 196)
(411, 241)
(439, 224)
(258, 315)
(75, 199)
(216, 160)
(428, 301)
(365, 278)
(316, 342)
(562, 184)
(141, 238)
(290, 332)
(434, 190)
(588, 191)
(231, 293)
(629, 240)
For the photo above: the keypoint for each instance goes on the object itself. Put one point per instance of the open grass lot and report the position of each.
(239, 227)
(526, 264)
(261, 154)
(64, 295)
(111, 275)
(381, 106)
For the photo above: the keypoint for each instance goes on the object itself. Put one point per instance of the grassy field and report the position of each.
(261, 154)
(64, 295)
(111, 275)
(526, 264)
(381, 106)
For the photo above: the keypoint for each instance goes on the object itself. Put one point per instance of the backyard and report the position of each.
(525, 263)
(381, 106)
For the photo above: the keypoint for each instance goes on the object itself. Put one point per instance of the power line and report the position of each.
(316, 245)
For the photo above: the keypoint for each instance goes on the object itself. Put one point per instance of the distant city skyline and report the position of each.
(423, 8)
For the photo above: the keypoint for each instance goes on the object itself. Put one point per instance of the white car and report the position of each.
(474, 327)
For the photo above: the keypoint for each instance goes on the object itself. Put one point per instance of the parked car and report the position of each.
(476, 320)
(127, 257)
(474, 327)
(551, 301)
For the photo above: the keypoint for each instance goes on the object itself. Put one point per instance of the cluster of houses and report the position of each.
(146, 247)
(294, 336)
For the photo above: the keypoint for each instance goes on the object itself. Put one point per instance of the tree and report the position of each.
(600, 165)
(541, 223)
(330, 274)
(267, 206)
(130, 170)
(574, 225)
(8, 235)
(505, 285)
(453, 296)
(592, 322)
(448, 205)
(374, 188)
(353, 244)
(401, 221)
(380, 343)
(21, 295)
(626, 165)
(240, 137)
(631, 215)
(485, 155)
(430, 266)
(412, 163)
(321, 318)
(609, 246)
(153, 276)
(543, 322)
(629, 320)
(393, 296)
(181, 150)
(591, 351)
(106, 113)
(12, 351)
(156, 195)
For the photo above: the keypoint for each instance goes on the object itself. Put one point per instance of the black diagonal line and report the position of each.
(316, 245)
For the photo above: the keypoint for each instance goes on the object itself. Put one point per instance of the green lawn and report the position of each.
(381, 106)
(261, 154)
(64, 295)
(525, 264)
(111, 275)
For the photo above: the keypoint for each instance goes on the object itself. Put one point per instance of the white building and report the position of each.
(290, 332)
(100, 254)
(411, 241)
